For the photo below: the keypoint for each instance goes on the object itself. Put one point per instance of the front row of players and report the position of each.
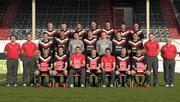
(101, 67)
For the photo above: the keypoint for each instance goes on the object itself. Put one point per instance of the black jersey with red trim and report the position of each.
(117, 45)
(63, 57)
(46, 45)
(51, 33)
(96, 32)
(139, 33)
(93, 61)
(110, 33)
(138, 59)
(45, 59)
(82, 33)
(125, 34)
(89, 44)
(134, 45)
(121, 58)
(67, 33)
(61, 42)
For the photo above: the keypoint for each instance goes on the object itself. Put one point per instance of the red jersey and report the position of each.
(29, 49)
(12, 50)
(77, 60)
(168, 52)
(108, 62)
(151, 48)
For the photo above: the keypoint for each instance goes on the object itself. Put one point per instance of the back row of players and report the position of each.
(94, 43)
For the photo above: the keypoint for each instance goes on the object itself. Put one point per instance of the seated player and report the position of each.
(123, 66)
(93, 66)
(139, 66)
(108, 64)
(60, 66)
(45, 66)
(77, 64)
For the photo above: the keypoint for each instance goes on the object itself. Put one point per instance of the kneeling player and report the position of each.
(60, 66)
(123, 67)
(93, 66)
(139, 66)
(108, 64)
(44, 68)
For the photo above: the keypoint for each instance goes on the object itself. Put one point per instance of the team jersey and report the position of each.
(45, 62)
(77, 60)
(82, 33)
(117, 45)
(61, 42)
(46, 45)
(139, 62)
(67, 33)
(122, 62)
(60, 61)
(125, 34)
(89, 44)
(110, 33)
(51, 33)
(93, 61)
(108, 62)
(96, 32)
(139, 33)
(134, 45)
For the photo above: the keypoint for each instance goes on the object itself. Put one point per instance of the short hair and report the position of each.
(108, 49)
(151, 34)
(61, 47)
(107, 21)
(49, 22)
(78, 22)
(78, 47)
(13, 36)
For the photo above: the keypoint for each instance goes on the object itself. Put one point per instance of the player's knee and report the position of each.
(54, 73)
(36, 72)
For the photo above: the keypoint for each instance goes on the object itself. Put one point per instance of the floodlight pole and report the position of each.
(33, 19)
(147, 18)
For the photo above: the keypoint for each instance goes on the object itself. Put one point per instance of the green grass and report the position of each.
(153, 94)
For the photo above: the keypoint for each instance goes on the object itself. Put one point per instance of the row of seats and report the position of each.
(57, 11)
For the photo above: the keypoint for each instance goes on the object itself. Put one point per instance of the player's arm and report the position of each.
(65, 65)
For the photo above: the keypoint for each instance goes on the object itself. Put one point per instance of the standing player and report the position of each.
(109, 31)
(74, 43)
(89, 43)
(96, 31)
(80, 31)
(45, 66)
(102, 44)
(77, 64)
(12, 51)
(124, 32)
(151, 49)
(93, 66)
(46, 43)
(61, 40)
(50, 31)
(134, 44)
(108, 64)
(118, 43)
(63, 27)
(139, 66)
(137, 31)
(28, 51)
(60, 65)
(168, 53)
(123, 66)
